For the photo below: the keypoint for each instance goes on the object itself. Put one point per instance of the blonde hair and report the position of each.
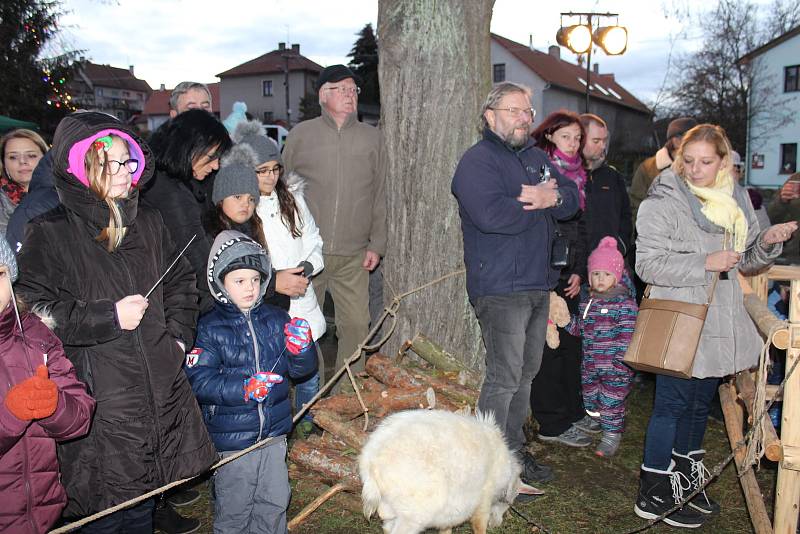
(100, 184)
(716, 137)
(20, 133)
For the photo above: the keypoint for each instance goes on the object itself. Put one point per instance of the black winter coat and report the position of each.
(182, 210)
(147, 429)
(608, 208)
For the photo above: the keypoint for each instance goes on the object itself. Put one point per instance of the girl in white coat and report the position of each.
(292, 236)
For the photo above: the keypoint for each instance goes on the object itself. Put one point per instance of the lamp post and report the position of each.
(580, 38)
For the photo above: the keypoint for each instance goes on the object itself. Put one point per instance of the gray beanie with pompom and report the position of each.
(254, 135)
(237, 175)
(8, 259)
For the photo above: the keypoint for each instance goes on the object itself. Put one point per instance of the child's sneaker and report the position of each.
(609, 444)
(588, 424)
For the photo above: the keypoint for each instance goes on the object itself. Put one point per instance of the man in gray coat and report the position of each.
(343, 161)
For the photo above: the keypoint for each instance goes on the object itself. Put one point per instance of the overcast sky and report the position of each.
(169, 41)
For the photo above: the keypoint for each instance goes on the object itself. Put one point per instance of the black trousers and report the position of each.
(556, 400)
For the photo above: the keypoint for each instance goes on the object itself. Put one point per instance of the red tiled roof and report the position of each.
(158, 103)
(108, 76)
(567, 75)
(272, 62)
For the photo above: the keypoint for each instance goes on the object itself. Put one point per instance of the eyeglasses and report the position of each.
(131, 165)
(528, 112)
(344, 90)
(276, 170)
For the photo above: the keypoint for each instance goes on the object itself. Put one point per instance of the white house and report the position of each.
(773, 135)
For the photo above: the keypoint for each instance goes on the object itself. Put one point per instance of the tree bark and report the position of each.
(331, 465)
(434, 76)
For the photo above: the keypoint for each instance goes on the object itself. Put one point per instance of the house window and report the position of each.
(266, 87)
(499, 72)
(789, 158)
(791, 79)
(268, 117)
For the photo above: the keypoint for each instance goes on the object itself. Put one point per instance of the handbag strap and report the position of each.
(711, 289)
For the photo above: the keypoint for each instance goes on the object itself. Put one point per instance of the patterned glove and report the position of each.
(33, 398)
(298, 335)
(257, 387)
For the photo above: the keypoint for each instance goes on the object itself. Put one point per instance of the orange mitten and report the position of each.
(34, 398)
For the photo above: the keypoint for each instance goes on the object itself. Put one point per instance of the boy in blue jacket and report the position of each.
(239, 368)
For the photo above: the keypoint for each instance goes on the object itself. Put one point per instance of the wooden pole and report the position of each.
(734, 418)
(766, 321)
(313, 505)
(787, 496)
(746, 390)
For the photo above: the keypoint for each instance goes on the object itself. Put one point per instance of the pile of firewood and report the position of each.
(389, 385)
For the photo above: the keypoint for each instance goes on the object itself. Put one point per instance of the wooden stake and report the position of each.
(734, 418)
(746, 390)
(313, 505)
(787, 496)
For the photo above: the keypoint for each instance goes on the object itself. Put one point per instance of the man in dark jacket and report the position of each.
(508, 210)
(608, 209)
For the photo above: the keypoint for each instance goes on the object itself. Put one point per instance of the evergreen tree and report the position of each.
(33, 87)
(364, 62)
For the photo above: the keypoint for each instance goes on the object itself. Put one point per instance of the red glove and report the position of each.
(257, 386)
(298, 335)
(34, 398)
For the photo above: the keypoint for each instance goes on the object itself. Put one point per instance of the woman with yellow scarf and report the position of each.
(697, 221)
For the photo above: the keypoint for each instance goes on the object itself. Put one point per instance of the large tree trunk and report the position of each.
(434, 76)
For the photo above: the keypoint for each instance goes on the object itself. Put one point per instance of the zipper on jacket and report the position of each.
(148, 385)
(338, 182)
(258, 370)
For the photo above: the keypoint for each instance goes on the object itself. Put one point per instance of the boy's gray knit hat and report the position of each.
(7, 258)
(233, 250)
(254, 135)
(236, 176)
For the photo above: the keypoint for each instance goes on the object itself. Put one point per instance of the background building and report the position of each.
(109, 89)
(772, 140)
(261, 84)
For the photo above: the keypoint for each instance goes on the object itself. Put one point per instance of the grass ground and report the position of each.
(589, 495)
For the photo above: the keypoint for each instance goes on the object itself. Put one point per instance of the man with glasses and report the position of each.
(189, 95)
(342, 160)
(509, 198)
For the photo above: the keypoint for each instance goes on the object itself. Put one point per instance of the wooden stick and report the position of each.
(313, 505)
(765, 320)
(746, 389)
(734, 418)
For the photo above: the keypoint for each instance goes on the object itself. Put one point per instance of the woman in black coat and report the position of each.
(187, 150)
(89, 262)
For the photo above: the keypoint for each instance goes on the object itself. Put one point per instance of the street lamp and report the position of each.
(579, 38)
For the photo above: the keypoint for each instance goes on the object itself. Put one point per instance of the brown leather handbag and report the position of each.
(666, 335)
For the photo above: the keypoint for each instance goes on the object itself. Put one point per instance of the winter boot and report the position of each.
(660, 491)
(692, 466)
(609, 444)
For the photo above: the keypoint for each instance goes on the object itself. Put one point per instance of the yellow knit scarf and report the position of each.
(721, 208)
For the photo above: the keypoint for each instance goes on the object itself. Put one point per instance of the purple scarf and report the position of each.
(572, 168)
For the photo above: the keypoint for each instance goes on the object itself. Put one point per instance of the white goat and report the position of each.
(436, 469)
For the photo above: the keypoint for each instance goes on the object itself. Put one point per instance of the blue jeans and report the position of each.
(135, 520)
(513, 328)
(679, 418)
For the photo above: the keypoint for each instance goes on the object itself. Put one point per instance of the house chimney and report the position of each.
(162, 88)
(83, 59)
(555, 51)
(281, 46)
(130, 69)
(296, 48)
(530, 41)
(596, 68)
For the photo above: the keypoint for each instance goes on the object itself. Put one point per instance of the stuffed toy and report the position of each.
(558, 317)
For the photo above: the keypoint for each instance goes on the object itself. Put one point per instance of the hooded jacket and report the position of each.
(287, 251)
(147, 429)
(507, 248)
(231, 347)
(33, 496)
(674, 238)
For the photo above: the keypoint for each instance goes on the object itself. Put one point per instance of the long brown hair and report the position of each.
(20, 133)
(216, 221)
(290, 215)
(100, 184)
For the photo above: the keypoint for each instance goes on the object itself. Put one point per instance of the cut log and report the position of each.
(734, 416)
(380, 403)
(765, 320)
(346, 431)
(386, 371)
(746, 390)
(328, 441)
(437, 356)
(370, 384)
(331, 465)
